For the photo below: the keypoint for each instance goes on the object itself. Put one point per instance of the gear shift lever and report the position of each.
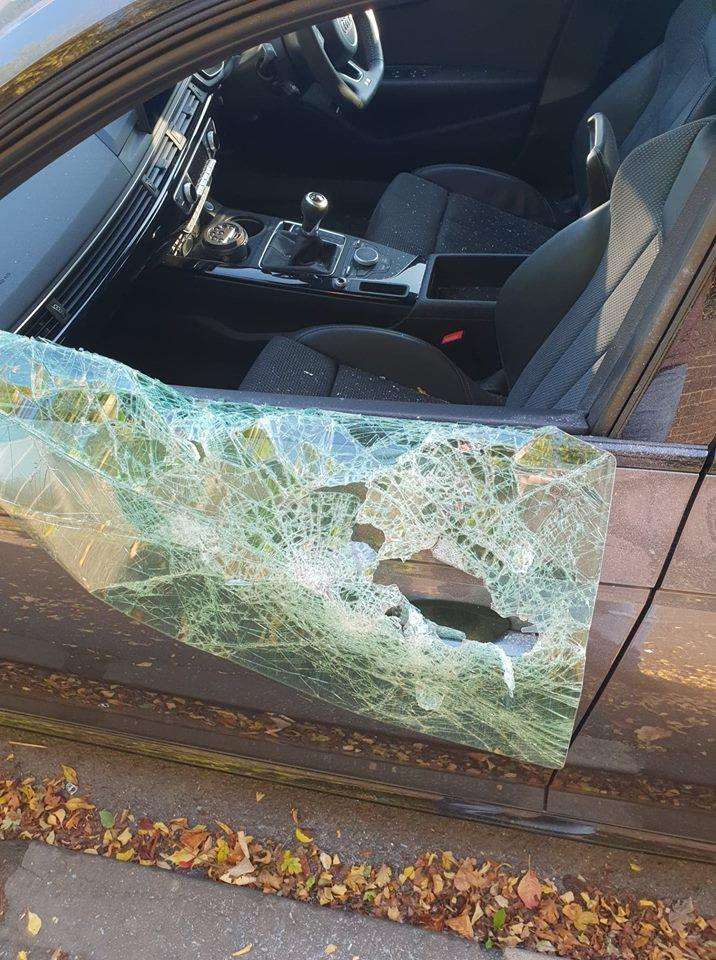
(300, 248)
(314, 207)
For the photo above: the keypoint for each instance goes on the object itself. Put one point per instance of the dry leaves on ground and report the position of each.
(484, 902)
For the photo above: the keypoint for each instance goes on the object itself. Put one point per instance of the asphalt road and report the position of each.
(97, 909)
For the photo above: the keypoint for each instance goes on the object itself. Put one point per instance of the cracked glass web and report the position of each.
(274, 537)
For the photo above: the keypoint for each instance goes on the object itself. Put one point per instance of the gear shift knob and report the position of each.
(314, 207)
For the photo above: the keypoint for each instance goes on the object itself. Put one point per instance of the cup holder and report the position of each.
(252, 227)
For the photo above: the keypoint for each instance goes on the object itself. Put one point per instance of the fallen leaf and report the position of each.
(106, 818)
(330, 949)
(77, 803)
(69, 773)
(580, 918)
(467, 877)
(278, 724)
(529, 890)
(226, 717)
(498, 918)
(650, 734)
(144, 663)
(462, 925)
(634, 866)
(303, 837)
(243, 951)
(477, 913)
(259, 796)
(241, 839)
(290, 864)
(549, 913)
(33, 923)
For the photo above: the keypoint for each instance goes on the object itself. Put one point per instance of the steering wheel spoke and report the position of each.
(354, 75)
(345, 57)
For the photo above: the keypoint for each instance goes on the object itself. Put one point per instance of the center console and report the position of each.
(258, 249)
(265, 273)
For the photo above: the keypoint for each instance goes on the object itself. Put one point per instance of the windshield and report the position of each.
(38, 37)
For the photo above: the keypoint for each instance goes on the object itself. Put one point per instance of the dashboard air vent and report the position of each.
(112, 246)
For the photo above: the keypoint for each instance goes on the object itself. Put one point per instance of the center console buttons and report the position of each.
(365, 257)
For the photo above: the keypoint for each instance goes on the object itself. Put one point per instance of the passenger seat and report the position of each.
(564, 320)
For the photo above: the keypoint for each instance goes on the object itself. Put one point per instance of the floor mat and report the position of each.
(181, 349)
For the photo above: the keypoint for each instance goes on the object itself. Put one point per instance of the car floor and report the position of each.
(94, 908)
(156, 336)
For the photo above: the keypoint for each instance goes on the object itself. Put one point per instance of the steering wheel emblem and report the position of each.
(348, 27)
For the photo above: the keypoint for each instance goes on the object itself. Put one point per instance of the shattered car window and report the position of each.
(266, 536)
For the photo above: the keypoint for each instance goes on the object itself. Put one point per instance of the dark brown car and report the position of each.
(410, 496)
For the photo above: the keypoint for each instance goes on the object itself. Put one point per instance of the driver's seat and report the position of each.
(455, 208)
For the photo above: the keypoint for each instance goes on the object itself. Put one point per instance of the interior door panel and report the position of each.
(461, 79)
(499, 83)
(509, 35)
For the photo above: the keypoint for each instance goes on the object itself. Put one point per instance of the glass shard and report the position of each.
(257, 534)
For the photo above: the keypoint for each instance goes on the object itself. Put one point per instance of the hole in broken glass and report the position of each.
(459, 622)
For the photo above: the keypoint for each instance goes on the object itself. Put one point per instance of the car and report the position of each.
(357, 393)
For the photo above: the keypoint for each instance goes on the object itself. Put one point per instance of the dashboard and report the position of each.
(77, 223)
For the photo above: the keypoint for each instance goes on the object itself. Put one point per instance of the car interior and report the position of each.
(493, 211)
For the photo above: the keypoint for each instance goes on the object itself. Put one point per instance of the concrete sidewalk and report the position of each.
(95, 909)
(107, 910)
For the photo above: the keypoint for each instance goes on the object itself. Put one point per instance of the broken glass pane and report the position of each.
(275, 537)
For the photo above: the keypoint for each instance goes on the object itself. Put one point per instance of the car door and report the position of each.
(643, 756)
(462, 78)
(427, 586)
(79, 666)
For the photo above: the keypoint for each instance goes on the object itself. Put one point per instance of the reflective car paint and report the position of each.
(39, 37)
(80, 662)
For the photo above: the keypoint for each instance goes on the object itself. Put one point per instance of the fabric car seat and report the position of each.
(457, 208)
(563, 319)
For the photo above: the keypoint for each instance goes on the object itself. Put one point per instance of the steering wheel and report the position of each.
(345, 56)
